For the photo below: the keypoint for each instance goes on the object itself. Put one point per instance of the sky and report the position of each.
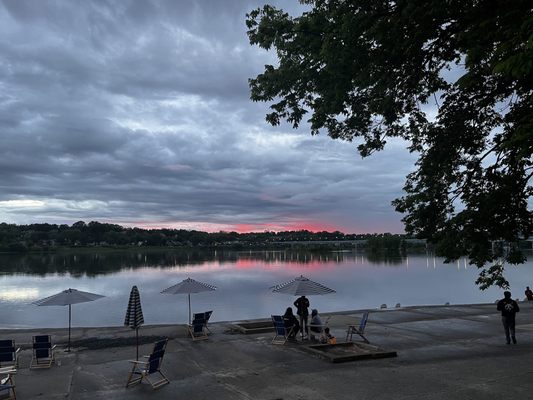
(138, 113)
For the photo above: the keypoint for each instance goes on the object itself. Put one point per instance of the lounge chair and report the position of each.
(205, 316)
(152, 366)
(282, 333)
(8, 354)
(198, 327)
(43, 352)
(7, 386)
(359, 330)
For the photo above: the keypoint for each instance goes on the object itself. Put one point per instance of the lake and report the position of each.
(243, 279)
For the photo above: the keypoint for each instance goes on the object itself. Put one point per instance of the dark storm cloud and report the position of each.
(138, 112)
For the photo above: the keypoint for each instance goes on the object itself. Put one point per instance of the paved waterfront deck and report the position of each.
(448, 352)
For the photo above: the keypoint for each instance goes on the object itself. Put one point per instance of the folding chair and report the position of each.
(198, 327)
(205, 316)
(360, 330)
(43, 352)
(152, 366)
(282, 333)
(7, 386)
(8, 354)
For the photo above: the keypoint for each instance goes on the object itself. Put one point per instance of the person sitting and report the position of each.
(291, 322)
(529, 293)
(316, 326)
(328, 337)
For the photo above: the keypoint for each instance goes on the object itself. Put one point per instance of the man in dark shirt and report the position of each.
(508, 308)
(529, 293)
(302, 307)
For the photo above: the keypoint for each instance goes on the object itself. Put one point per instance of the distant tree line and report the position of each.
(35, 237)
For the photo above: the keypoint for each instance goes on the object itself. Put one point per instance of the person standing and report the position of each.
(508, 308)
(529, 293)
(302, 309)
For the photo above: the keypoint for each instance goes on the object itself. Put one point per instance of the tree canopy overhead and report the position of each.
(453, 78)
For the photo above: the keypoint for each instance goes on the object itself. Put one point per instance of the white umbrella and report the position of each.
(134, 314)
(188, 286)
(301, 286)
(67, 298)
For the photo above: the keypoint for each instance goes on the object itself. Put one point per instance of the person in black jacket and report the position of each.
(302, 309)
(508, 308)
(291, 322)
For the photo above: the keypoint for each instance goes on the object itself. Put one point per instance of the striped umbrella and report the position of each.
(302, 286)
(134, 314)
(188, 286)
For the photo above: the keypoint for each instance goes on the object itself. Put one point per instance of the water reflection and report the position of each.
(94, 263)
(242, 277)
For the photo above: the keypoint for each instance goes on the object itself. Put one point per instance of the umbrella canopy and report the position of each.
(134, 314)
(302, 286)
(67, 298)
(188, 286)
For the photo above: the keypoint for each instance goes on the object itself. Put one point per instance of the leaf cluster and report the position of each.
(370, 70)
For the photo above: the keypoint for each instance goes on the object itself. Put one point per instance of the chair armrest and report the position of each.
(8, 370)
(54, 346)
(138, 362)
(16, 351)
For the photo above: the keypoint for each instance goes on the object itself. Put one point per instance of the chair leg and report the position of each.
(349, 334)
(159, 383)
(136, 380)
(364, 338)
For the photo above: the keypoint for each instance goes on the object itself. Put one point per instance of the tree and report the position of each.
(370, 70)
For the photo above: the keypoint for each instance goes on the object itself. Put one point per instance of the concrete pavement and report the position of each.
(444, 352)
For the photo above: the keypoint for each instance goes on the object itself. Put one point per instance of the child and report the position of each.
(328, 337)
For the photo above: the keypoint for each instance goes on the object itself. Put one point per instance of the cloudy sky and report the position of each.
(138, 113)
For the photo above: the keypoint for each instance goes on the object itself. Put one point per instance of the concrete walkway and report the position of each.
(448, 352)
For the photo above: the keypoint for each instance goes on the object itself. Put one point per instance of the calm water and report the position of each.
(243, 280)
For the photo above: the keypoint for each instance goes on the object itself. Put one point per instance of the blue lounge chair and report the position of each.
(282, 333)
(359, 330)
(205, 316)
(151, 367)
(7, 386)
(43, 352)
(8, 354)
(198, 327)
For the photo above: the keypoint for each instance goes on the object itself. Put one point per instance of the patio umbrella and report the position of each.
(134, 314)
(188, 286)
(67, 298)
(301, 286)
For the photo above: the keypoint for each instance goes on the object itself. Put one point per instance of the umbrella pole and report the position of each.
(69, 321)
(137, 337)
